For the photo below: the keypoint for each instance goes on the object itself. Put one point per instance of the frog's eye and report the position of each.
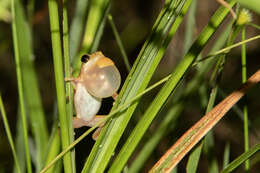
(102, 78)
(85, 58)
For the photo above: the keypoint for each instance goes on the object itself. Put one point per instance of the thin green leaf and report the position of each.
(245, 110)
(168, 123)
(242, 158)
(59, 77)
(20, 83)
(31, 89)
(119, 42)
(76, 28)
(67, 68)
(194, 159)
(138, 132)
(54, 148)
(94, 28)
(136, 82)
(226, 155)
(9, 135)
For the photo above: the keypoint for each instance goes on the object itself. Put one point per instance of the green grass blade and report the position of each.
(186, 63)
(76, 28)
(226, 155)
(250, 4)
(163, 129)
(67, 68)
(94, 28)
(172, 83)
(140, 75)
(19, 144)
(100, 29)
(20, 84)
(242, 158)
(119, 42)
(54, 148)
(194, 159)
(189, 29)
(31, 89)
(245, 110)
(95, 16)
(131, 143)
(9, 135)
(59, 77)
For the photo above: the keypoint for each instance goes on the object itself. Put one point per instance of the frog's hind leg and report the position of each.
(78, 122)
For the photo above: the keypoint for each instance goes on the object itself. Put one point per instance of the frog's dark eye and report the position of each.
(85, 58)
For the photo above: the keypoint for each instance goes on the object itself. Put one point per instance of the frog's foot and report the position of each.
(225, 4)
(78, 122)
(114, 96)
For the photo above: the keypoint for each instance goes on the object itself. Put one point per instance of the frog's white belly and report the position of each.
(86, 105)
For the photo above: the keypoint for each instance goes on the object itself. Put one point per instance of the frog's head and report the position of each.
(99, 75)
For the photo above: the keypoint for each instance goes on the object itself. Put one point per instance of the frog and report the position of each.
(98, 78)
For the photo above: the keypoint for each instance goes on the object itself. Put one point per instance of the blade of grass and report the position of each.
(76, 28)
(94, 28)
(228, 48)
(20, 84)
(9, 134)
(175, 111)
(242, 158)
(119, 42)
(164, 128)
(173, 156)
(245, 110)
(99, 31)
(31, 89)
(19, 144)
(68, 87)
(190, 25)
(59, 77)
(167, 89)
(136, 82)
(226, 155)
(54, 148)
(194, 159)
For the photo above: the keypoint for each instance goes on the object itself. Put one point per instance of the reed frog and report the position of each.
(99, 78)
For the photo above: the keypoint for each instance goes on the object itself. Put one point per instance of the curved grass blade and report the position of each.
(31, 90)
(136, 82)
(167, 89)
(20, 83)
(242, 158)
(119, 42)
(173, 156)
(132, 142)
(9, 135)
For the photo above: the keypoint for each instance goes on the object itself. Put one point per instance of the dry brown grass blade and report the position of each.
(174, 155)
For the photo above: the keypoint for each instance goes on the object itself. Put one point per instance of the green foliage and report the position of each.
(161, 114)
